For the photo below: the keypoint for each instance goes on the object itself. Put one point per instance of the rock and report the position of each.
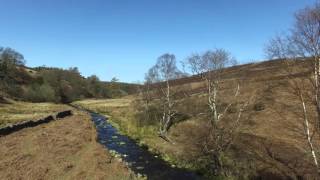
(140, 167)
(139, 175)
(26, 124)
(63, 114)
(122, 143)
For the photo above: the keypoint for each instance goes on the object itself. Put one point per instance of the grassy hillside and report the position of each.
(43, 84)
(270, 143)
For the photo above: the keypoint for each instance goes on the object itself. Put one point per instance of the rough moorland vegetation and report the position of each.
(252, 121)
(56, 151)
(258, 120)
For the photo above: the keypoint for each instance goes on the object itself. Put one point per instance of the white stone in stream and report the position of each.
(139, 175)
(117, 155)
(122, 143)
(140, 167)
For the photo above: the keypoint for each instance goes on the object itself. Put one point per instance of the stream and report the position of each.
(138, 158)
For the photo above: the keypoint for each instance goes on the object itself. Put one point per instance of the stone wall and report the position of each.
(32, 123)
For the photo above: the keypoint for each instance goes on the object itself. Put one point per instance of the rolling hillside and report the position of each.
(270, 143)
(49, 84)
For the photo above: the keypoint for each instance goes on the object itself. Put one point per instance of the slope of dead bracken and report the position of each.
(270, 143)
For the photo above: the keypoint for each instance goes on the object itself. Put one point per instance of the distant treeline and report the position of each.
(49, 84)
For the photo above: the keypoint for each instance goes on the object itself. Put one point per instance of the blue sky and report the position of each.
(123, 38)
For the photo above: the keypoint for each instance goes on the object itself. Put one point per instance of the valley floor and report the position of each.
(64, 149)
(268, 156)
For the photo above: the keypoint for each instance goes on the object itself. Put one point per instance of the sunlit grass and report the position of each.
(121, 114)
(21, 111)
(94, 103)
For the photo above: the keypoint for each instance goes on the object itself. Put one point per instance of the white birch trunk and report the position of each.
(307, 132)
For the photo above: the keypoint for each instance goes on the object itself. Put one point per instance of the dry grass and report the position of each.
(107, 103)
(271, 138)
(65, 149)
(108, 107)
(121, 113)
(21, 111)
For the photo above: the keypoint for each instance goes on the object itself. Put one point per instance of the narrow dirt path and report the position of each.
(65, 149)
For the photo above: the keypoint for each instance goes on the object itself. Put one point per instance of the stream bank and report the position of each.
(138, 158)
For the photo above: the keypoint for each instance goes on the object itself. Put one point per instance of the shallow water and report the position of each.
(139, 159)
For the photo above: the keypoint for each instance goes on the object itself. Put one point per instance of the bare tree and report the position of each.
(161, 73)
(210, 66)
(146, 92)
(303, 41)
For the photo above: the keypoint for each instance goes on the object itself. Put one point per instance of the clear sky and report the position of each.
(123, 38)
